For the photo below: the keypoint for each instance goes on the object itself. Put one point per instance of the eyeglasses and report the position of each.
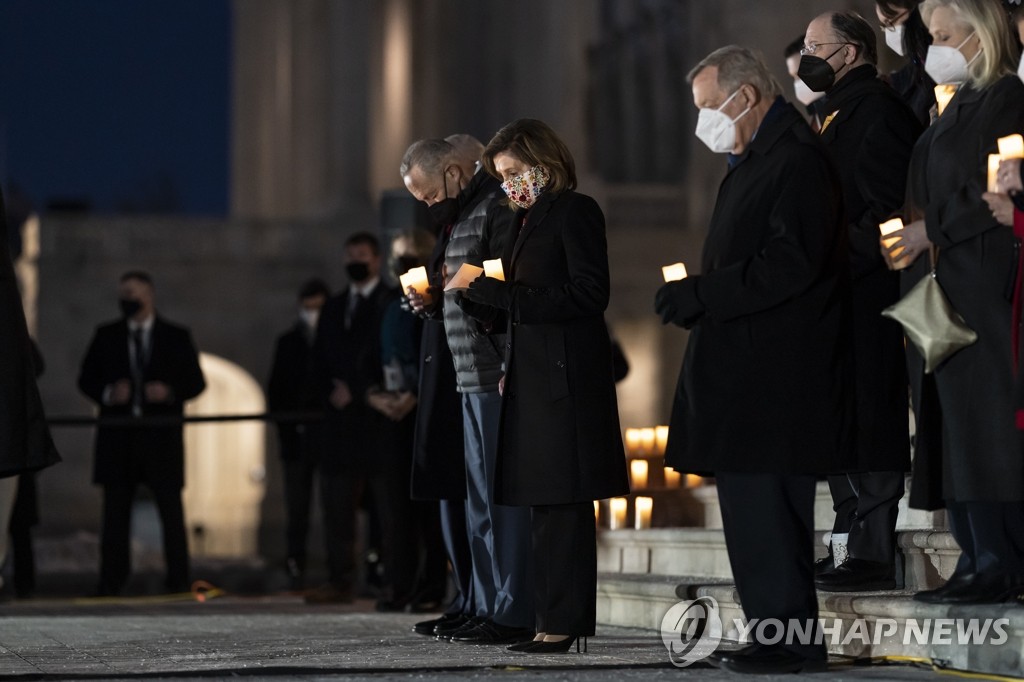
(889, 24)
(813, 47)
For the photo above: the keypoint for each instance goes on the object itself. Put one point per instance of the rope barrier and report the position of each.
(177, 420)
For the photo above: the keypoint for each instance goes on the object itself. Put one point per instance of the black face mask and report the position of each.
(404, 264)
(816, 72)
(444, 212)
(129, 307)
(358, 271)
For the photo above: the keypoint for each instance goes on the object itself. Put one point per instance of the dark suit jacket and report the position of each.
(870, 139)
(439, 462)
(350, 443)
(975, 440)
(150, 454)
(766, 380)
(293, 388)
(559, 438)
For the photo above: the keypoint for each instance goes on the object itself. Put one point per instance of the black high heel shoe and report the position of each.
(523, 646)
(559, 647)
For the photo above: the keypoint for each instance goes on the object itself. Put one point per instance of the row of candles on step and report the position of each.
(618, 508)
(640, 468)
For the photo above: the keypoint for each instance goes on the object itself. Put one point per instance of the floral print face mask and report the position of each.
(523, 190)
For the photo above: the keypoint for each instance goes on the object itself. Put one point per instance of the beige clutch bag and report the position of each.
(930, 322)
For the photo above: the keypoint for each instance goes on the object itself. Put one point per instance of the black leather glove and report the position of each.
(490, 291)
(677, 303)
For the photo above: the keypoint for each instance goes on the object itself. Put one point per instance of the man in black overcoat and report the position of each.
(764, 396)
(346, 354)
(136, 367)
(293, 388)
(869, 132)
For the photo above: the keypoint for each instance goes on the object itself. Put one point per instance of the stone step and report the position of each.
(856, 625)
(929, 556)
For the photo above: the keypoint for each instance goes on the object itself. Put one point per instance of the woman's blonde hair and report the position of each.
(988, 20)
(534, 142)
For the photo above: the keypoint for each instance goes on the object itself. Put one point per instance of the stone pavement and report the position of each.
(280, 638)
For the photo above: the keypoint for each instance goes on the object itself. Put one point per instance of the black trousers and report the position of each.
(456, 546)
(565, 568)
(340, 495)
(990, 535)
(298, 499)
(115, 536)
(768, 521)
(866, 506)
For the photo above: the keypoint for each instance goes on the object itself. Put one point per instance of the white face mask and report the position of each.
(894, 38)
(804, 93)
(716, 129)
(309, 317)
(947, 64)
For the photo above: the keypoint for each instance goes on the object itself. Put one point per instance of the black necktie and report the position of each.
(138, 364)
(354, 302)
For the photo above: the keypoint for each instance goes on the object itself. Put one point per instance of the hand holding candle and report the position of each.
(417, 280)
(674, 272)
(888, 227)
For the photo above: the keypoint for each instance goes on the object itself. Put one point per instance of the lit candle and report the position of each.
(644, 506)
(993, 172)
(647, 440)
(943, 93)
(638, 473)
(660, 439)
(597, 513)
(417, 279)
(693, 481)
(888, 227)
(674, 272)
(492, 268)
(1011, 147)
(672, 477)
(618, 507)
(633, 441)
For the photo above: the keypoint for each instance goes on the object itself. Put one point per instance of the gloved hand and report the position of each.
(677, 303)
(490, 291)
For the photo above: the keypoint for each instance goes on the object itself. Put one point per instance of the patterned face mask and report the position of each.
(523, 190)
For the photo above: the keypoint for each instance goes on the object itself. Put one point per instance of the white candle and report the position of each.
(674, 272)
(618, 507)
(644, 507)
(888, 227)
(647, 440)
(417, 279)
(660, 440)
(993, 172)
(633, 441)
(638, 473)
(1011, 147)
(672, 477)
(492, 268)
(693, 481)
(597, 513)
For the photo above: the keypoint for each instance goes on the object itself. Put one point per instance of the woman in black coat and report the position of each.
(560, 446)
(968, 455)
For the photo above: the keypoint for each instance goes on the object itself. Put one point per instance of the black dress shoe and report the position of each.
(489, 632)
(426, 627)
(759, 659)
(447, 631)
(937, 596)
(559, 647)
(824, 565)
(523, 646)
(858, 575)
(985, 589)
